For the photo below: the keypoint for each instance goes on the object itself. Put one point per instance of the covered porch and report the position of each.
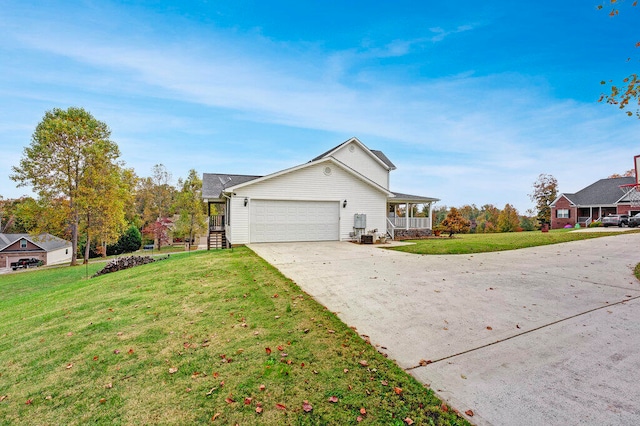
(406, 213)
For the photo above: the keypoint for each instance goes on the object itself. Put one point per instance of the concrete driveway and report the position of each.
(547, 335)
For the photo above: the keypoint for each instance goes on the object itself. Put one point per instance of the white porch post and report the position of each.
(406, 214)
(430, 215)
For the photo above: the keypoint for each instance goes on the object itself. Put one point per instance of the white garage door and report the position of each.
(280, 221)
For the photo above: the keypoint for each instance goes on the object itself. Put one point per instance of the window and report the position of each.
(562, 213)
(23, 243)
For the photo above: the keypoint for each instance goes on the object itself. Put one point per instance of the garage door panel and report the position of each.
(281, 221)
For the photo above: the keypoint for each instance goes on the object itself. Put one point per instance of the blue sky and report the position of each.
(471, 100)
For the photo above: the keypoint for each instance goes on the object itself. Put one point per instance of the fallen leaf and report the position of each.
(103, 400)
(187, 390)
(469, 413)
(306, 406)
(48, 398)
(384, 382)
(398, 391)
(444, 407)
(172, 370)
(408, 421)
(363, 363)
(70, 365)
(280, 348)
(229, 400)
(3, 397)
(489, 328)
(281, 407)
(69, 334)
(424, 362)
(130, 351)
(262, 387)
(29, 402)
(247, 401)
(363, 411)
(117, 351)
(463, 376)
(258, 409)
(333, 399)
(346, 370)
(215, 416)
(359, 419)
(95, 358)
(275, 296)
(108, 385)
(119, 333)
(195, 374)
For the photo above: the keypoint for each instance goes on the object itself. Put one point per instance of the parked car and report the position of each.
(615, 220)
(634, 221)
(26, 263)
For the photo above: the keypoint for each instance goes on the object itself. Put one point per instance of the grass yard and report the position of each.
(481, 243)
(216, 337)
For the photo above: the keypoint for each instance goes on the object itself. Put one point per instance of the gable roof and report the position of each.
(602, 192)
(46, 242)
(375, 154)
(214, 184)
(309, 164)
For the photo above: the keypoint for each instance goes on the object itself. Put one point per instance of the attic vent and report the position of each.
(327, 171)
(352, 148)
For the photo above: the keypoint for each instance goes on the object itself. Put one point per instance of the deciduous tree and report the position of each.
(190, 207)
(66, 148)
(626, 94)
(454, 223)
(545, 191)
(508, 220)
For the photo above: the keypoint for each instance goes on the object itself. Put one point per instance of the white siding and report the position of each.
(363, 163)
(309, 184)
(62, 255)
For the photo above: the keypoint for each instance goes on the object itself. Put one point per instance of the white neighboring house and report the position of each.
(322, 200)
(45, 247)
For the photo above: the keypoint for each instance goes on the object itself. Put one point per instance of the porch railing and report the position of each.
(216, 223)
(414, 222)
(391, 229)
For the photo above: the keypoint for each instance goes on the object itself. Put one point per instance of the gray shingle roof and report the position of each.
(214, 183)
(602, 192)
(400, 197)
(47, 241)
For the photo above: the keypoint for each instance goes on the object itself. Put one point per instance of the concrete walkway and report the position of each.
(547, 335)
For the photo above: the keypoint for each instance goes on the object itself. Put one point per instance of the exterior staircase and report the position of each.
(217, 238)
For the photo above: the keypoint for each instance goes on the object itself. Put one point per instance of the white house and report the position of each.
(338, 195)
(45, 247)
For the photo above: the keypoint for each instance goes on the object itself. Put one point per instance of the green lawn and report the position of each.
(480, 243)
(209, 337)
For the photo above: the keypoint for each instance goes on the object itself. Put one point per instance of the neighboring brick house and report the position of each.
(45, 247)
(591, 203)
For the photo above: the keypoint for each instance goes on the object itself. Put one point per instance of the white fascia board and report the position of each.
(361, 145)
